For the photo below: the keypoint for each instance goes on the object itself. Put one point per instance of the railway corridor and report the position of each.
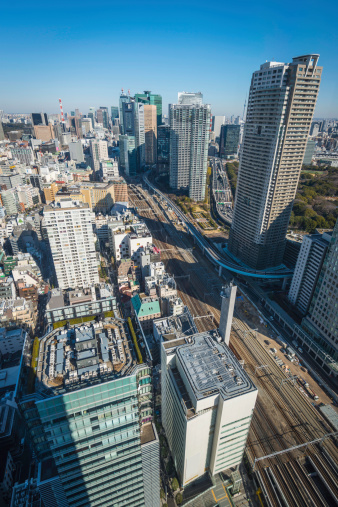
(283, 418)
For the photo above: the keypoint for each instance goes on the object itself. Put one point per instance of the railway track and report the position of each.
(284, 478)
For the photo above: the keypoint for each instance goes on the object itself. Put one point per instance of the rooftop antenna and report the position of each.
(129, 93)
(122, 90)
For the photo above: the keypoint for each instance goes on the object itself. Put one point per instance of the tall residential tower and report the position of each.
(71, 240)
(281, 103)
(189, 139)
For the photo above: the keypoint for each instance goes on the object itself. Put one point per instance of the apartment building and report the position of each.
(189, 140)
(282, 100)
(309, 263)
(72, 243)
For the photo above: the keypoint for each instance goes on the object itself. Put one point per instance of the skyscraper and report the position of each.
(309, 263)
(281, 103)
(92, 428)
(139, 120)
(189, 139)
(72, 244)
(91, 115)
(128, 156)
(102, 116)
(76, 151)
(207, 403)
(128, 116)
(217, 122)
(98, 151)
(114, 113)
(153, 99)
(322, 319)
(163, 149)
(150, 133)
(123, 98)
(2, 134)
(229, 140)
(190, 98)
(39, 119)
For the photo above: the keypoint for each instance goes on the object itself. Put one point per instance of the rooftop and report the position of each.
(210, 367)
(74, 358)
(145, 307)
(147, 433)
(179, 326)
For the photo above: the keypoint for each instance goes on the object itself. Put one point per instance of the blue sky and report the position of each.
(85, 52)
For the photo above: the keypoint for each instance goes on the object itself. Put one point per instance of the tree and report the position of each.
(162, 494)
(178, 498)
(164, 452)
(169, 467)
(174, 484)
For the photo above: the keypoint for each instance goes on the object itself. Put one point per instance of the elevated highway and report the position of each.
(210, 250)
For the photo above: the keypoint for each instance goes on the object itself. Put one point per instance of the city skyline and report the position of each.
(65, 51)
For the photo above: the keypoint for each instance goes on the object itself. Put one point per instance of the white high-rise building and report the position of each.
(207, 404)
(76, 151)
(189, 140)
(282, 99)
(217, 122)
(71, 239)
(189, 98)
(139, 135)
(308, 266)
(98, 151)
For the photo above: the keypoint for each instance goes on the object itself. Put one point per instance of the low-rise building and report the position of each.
(129, 241)
(17, 311)
(7, 287)
(146, 309)
(79, 303)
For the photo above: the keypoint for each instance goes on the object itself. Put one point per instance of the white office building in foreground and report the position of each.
(207, 404)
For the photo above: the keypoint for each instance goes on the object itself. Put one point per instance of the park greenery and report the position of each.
(316, 201)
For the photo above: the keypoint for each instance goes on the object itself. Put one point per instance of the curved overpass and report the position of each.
(212, 253)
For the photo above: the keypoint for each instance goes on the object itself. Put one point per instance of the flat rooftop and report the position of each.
(70, 359)
(147, 433)
(211, 367)
(178, 326)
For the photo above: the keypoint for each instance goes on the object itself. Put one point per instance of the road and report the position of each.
(209, 249)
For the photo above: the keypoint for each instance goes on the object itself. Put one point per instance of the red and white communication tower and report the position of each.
(62, 117)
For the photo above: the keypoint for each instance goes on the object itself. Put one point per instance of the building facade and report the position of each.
(322, 319)
(72, 243)
(229, 140)
(281, 103)
(189, 139)
(94, 426)
(207, 405)
(308, 266)
(150, 134)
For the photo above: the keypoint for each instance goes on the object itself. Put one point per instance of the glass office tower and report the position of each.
(93, 422)
(153, 99)
(229, 140)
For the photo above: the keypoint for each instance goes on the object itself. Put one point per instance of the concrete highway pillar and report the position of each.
(284, 283)
(220, 271)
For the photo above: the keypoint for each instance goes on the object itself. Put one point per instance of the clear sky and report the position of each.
(86, 51)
